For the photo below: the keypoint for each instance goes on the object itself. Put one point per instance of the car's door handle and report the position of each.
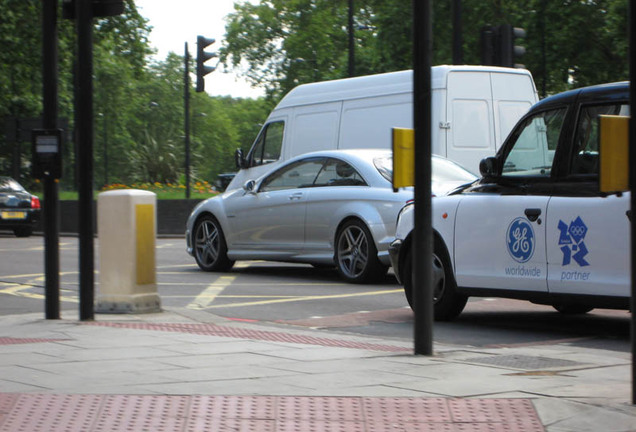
(296, 196)
(532, 214)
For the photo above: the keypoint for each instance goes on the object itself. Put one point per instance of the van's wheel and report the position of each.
(356, 256)
(572, 309)
(210, 249)
(447, 302)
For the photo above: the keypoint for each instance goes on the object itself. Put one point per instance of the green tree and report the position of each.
(286, 43)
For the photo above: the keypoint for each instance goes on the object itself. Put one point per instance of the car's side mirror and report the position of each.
(249, 187)
(239, 159)
(488, 167)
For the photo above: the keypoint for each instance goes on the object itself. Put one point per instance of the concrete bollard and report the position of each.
(126, 228)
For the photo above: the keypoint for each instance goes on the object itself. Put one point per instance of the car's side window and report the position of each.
(585, 156)
(339, 173)
(297, 175)
(536, 141)
(268, 144)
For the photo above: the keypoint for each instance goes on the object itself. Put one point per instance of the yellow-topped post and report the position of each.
(126, 221)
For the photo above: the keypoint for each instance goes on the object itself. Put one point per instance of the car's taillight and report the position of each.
(35, 202)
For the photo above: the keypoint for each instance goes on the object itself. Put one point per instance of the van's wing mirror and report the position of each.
(239, 159)
(488, 167)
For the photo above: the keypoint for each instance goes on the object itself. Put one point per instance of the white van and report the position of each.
(474, 108)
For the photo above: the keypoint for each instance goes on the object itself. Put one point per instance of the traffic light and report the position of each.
(202, 57)
(488, 36)
(498, 45)
(509, 51)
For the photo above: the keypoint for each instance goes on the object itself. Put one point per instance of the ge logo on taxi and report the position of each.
(520, 240)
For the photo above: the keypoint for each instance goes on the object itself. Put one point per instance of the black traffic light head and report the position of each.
(202, 57)
(508, 48)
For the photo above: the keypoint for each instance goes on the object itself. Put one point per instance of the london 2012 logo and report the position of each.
(520, 240)
(572, 242)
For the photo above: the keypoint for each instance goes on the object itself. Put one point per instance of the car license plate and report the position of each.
(13, 215)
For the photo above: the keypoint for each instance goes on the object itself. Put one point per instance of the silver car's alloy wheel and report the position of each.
(210, 251)
(353, 251)
(206, 242)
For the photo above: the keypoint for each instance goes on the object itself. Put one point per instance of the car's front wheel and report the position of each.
(447, 302)
(210, 249)
(356, 255)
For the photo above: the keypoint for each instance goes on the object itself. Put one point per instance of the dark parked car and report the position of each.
(19, 210)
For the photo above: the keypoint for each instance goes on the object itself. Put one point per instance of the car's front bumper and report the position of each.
(394, 256)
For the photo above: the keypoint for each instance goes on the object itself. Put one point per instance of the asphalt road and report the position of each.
(300, 295)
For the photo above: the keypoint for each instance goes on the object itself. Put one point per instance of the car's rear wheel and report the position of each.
(23, 231)
(447, 302)
(356, 255)
(210, 249)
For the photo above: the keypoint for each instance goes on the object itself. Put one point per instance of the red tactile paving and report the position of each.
(13, 341)
(158, 413)
(243, 333)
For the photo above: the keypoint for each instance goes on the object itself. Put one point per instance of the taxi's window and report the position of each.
(297, 175)
(536, 141)
(268, 144)
(585, 156)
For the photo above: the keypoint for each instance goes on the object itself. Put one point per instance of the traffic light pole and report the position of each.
(422, 234)
(84, 136)
(49, 121)
(186, 128)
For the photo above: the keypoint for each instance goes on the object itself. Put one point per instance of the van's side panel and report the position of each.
(367, 122)
(510, 94)
(314, 127)
(470, 118)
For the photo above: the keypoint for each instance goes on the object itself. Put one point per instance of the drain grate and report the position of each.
(523, 362)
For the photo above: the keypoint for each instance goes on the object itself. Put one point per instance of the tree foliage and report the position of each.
(284, 43)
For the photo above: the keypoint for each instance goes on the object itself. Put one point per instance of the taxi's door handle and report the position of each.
(532, 214)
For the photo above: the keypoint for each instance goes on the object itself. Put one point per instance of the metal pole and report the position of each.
(352, 46)
(632, 182)
(458, 40)
(422, 236)
(49, 121)
(186, 96)
(84, 116)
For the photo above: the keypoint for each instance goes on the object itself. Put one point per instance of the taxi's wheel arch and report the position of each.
(209, 246)
(448, 303)
(355, 253)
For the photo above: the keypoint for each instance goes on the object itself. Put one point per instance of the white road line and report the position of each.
(207, 296)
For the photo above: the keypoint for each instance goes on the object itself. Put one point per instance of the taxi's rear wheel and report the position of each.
(447, 302)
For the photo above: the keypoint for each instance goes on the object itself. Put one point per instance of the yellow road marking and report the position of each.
(306, 298)
(203, 300)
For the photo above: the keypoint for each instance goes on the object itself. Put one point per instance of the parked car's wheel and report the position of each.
(23, 231)
(356, 255)
(447, 302)
(572, 309)
(210, 249)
